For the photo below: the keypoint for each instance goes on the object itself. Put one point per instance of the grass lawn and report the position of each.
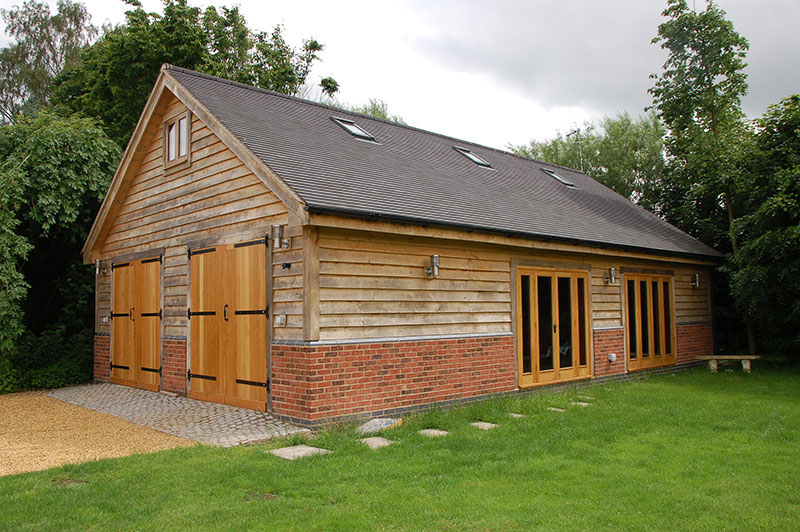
(692, 451)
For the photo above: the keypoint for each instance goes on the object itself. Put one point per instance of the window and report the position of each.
(177, 140)
(649, 322)
(354, 129)
(472, 157)
(558, 178)
(553, 336)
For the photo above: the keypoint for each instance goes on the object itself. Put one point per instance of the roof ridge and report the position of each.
(168, 66)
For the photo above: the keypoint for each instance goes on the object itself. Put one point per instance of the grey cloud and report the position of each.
(597, 54)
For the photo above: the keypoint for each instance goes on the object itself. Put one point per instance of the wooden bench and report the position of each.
(712, 360)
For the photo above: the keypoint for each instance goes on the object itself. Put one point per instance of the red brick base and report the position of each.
(608, 341)
(173, 364)
(334, 381)
(102, 357)
(694, 339)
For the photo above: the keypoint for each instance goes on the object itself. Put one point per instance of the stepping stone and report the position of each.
(581, 403)
(433, 433)
(585, 398)
(378, 424)
(554, 409)
(376, 442)
(298, 451)
(514, 414)
(483, 425)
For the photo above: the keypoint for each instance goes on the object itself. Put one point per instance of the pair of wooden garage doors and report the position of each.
(227, 313)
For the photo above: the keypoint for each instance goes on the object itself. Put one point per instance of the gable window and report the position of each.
(354, 129)
(472, 157)
(177, 140)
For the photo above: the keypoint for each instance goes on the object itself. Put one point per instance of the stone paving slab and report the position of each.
(554, 409)
(581, 403)
(483, 425)
(298, 451)
(376, 442)
(209, 423)
(378, 424)
(515, 415)
(433, 433)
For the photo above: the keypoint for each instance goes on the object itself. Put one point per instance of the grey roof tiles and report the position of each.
(414, 175)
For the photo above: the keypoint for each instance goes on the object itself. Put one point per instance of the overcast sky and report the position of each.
(506, 71)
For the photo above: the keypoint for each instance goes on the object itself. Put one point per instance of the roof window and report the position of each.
(563, 181)
(472, 157)
(353, 128)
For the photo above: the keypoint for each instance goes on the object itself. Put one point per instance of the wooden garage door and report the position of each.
(136, 323)
(228, 323)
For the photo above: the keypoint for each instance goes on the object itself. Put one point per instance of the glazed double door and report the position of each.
(552, 325)
(136, 323)
(228, 317)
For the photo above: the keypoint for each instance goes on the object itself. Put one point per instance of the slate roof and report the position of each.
(417, 176)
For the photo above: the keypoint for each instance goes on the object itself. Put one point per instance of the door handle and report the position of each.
(130, 314)
(225, 312)
(555, 327)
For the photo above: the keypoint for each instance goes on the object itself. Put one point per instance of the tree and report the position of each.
(55, 171)
(767, 279)
(698, 97)
(45, 45)
(117, 73)
(374, 107)
(624, 154)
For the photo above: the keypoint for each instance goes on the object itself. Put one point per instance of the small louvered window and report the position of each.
(472, 157)
(562, 180)
(354, 129)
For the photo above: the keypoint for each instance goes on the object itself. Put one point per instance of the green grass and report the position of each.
(692, 451)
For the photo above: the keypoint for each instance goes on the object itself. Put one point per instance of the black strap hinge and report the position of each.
(190, 376)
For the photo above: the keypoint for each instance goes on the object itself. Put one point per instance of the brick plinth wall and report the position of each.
(314, 382)
(173, 364)
(694, 339)
(102, 357)
(609, 341)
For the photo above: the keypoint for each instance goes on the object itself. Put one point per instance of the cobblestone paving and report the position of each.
(209, 423)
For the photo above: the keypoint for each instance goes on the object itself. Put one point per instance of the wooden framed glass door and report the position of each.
(649, 321)
(553, 335)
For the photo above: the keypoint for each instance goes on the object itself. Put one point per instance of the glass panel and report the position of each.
(183, 129)
(645, 317)
(581, 322)
(667, 320)
(565, 322)
(656, 319)
(171, 133)
(544, 302)
(632, 319)
(526, 323)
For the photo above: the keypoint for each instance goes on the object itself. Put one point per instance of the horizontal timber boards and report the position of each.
(375, 286)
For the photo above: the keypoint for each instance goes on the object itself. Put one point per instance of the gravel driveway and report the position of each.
(39, 432)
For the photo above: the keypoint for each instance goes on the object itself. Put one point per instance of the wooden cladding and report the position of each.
(374, 286)
(228, 318)
(136, 323)
(649, 321)
(553, 325)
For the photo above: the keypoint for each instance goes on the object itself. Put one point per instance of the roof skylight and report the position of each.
(554, 175)
(472, 157)
(353, 128)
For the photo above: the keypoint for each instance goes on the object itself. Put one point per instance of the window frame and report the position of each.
(536, 376)
(180, 161)
(660, 355)
(354, 129)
